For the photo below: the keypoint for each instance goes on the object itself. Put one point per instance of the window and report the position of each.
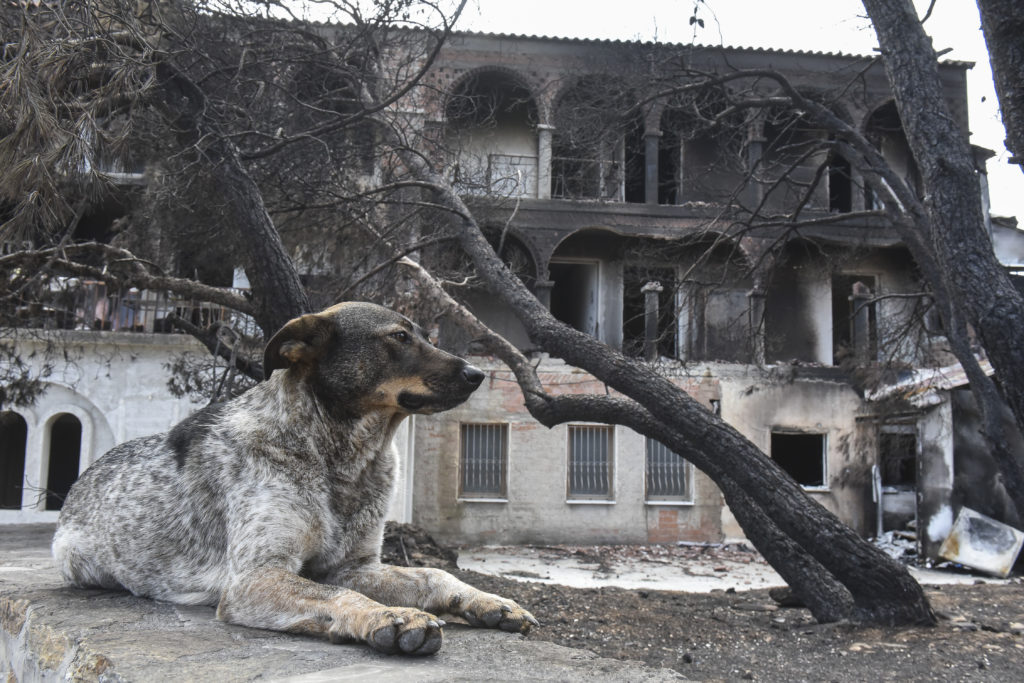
(65, 448)
(668, 474)
(802, 456)
(13, 435)
(483, 461)
(590, 462)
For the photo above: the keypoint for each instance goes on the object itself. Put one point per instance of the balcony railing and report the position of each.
(72, 304)
(586, 179)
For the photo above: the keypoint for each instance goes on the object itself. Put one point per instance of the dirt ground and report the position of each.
(745, 635)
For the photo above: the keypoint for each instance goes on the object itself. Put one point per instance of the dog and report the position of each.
(271, 505)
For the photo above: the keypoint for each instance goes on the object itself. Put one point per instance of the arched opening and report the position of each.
(795, 161)
(885, 130)
(13, 437)
(491, 122)
(65, 450)
(597, 150)
(694, 162)
(703, 306)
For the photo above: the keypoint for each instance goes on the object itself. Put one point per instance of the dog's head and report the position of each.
(359, 357)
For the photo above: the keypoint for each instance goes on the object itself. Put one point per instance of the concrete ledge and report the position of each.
(52, 633)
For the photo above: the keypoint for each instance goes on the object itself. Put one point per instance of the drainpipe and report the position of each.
(651, 290)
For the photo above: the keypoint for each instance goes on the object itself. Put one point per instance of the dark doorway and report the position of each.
(65, 449)
(13, 436)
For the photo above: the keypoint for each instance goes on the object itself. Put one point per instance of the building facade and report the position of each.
(627, 206)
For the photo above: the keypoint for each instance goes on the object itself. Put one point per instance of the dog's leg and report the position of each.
(278, 599)
(435, 591)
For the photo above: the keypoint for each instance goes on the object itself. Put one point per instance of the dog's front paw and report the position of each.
(493, 611)
(399, 630)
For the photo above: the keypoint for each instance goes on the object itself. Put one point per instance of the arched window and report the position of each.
(13, 435)
(65, 448)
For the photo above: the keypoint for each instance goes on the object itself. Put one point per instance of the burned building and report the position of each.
(732, 246)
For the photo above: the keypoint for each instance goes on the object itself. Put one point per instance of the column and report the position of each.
(544, 161)
(651, 144)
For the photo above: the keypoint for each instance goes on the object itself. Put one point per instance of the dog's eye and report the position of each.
(400, 336)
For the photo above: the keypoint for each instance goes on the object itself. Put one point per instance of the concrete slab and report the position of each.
(52, 633)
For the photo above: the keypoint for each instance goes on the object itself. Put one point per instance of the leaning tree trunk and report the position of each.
(827, 550)
(981, 292)
(1003, 24)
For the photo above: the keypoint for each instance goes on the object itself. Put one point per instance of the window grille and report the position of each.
(590, 461)
(667, 474)
(483, 461)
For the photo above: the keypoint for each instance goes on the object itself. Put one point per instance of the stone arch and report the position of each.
(491, 120)
(97, 436)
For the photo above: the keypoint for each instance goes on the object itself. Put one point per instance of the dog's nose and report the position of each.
(473, 375)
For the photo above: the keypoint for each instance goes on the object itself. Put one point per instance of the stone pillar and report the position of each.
(860, 331)
(651, 144)
(651, 290)
(755, 312)
(544, 161)
(542, 289)
(755, 150)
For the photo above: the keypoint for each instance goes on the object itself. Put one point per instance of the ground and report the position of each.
(744, 635)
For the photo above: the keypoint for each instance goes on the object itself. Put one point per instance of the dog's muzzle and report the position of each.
(457, 390)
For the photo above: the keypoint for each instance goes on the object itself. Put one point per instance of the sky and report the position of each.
(816, 25)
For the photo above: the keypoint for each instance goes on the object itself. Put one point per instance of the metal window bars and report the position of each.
(483, 460)
(666, 474)
(590, 461)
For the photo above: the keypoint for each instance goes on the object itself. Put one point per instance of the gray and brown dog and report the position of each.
(271, 506)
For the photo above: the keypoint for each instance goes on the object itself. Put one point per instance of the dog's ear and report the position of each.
(300, 342)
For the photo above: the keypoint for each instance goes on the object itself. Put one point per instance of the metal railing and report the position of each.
(72, 304)
(574, 178)
(590, 461)
(483, 460)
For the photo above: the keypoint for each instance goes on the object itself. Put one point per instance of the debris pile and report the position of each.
(406, 545)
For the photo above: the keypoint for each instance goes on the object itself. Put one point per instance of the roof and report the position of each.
(725, 48)
(921, 387)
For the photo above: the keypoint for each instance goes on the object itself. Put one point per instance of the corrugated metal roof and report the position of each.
(724, 48)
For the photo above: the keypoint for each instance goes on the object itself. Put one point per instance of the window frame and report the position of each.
(789, 431)
(591, 498)
(487, 496)
(686, 470)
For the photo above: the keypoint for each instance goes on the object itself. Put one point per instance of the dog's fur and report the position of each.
(271, 506)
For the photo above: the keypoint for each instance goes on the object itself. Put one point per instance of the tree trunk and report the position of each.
(1003, 24)
(982, 294)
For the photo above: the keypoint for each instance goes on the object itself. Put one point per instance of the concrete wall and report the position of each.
(537, 509)
(115, 385)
